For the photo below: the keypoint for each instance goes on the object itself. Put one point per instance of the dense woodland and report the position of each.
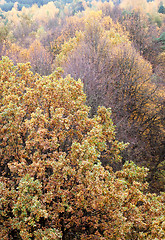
(82, 120)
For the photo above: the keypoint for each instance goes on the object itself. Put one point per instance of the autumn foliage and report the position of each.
(53, 184)
(116, 75)
(82, 126)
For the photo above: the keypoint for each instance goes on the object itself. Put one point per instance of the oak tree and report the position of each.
(53, 184)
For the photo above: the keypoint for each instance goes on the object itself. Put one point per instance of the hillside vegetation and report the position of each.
(82, 120)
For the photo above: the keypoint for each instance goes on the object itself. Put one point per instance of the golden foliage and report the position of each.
(52, 181)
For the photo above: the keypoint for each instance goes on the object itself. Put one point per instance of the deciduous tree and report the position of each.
(53, 184)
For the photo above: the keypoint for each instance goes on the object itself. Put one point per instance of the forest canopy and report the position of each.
(82, 120)
(53, 184)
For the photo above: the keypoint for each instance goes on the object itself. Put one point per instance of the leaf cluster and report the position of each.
(53, 184)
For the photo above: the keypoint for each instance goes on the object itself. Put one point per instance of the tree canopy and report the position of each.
(53, 184)
(82, 120)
